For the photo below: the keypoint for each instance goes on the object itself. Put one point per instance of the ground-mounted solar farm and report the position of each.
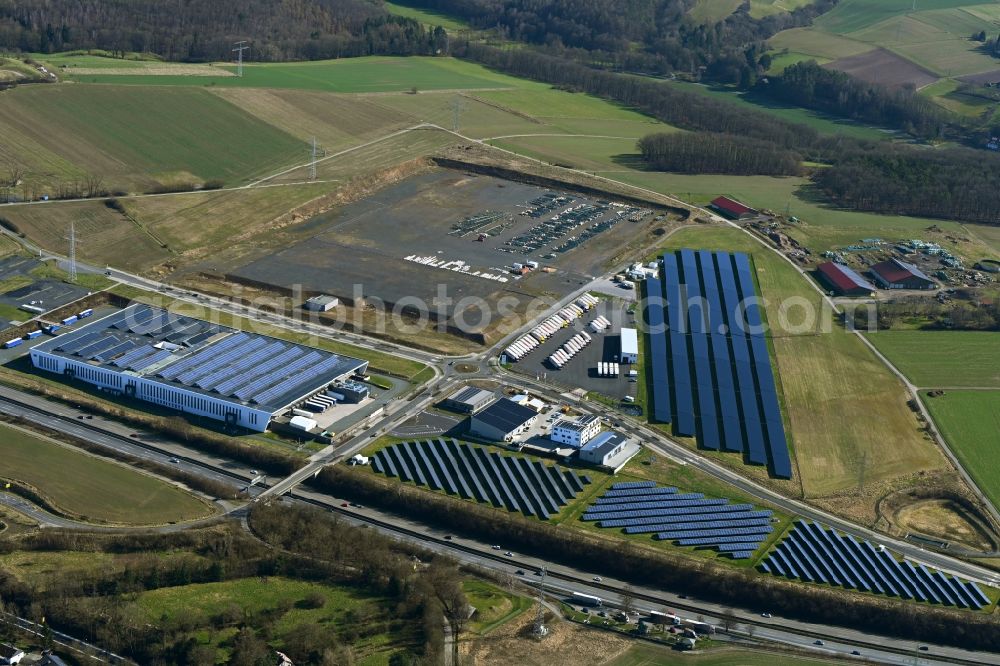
(710, 368)
(516, 483)
(815, 553)
(686, 519)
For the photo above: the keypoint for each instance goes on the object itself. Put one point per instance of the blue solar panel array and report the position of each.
(656, 325)
(688, 519)
(711, 370)
(817, 554)
(515, 483)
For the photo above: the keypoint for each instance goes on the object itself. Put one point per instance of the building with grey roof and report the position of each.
(193, 366)
(502, 421)
(609, 449)
(469, 400)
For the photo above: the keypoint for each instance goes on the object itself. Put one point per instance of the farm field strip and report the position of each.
(932, 359)
(93, 488)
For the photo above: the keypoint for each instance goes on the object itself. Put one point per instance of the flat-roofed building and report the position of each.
(502, 421)
(469, 400)
(609, 449)
(576, 432)
(629, 351)
(193, 366)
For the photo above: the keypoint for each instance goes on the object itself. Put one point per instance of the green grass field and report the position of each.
(709, 12)
(92, 488)
(137, 136)
(820, 227)
(494, 607)
(346, 611)
(374, 74)
(931, 359)
(851, 15)
(818, 43)
(427, 17)
(970, 423)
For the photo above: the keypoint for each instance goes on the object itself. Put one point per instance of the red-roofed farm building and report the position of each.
(896, 274)
(732, 209)
(843, 280)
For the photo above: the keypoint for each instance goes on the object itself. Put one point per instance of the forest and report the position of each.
(718, 153)
(204, 30)
(955, 183)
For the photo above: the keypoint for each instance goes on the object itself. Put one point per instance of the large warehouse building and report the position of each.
(193, 366)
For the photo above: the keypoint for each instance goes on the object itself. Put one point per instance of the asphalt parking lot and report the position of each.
(581, 370)
(46, 294)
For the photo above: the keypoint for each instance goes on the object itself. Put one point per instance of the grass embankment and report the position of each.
(373, 74)
(494, 607)
(90, 488)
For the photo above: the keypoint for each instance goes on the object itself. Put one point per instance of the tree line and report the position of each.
(685, 152)
(808, 85)
(99, 604)
(204, 30)
(953, 183)
(631, 562)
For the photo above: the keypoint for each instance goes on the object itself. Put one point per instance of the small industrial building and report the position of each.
(536, 404)
(576, 432)
(502, 421)
(629, 352)
(321, 303)
(843, 280)
(609, 449)
(10, 654)
(348, 390)
(193, 366)
(469, 400)
(896, 274)
(732, 209)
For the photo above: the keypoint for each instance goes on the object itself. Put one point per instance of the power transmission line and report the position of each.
(312, 164)
(240, 48)
(72, 251)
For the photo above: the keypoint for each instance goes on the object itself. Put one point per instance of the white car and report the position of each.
(496, 547)
(597, 579)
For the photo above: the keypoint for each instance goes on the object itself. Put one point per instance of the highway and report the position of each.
(116, 436)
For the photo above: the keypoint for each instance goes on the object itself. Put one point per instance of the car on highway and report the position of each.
(924, 648)
(856, 653)
(818, 642)
(344, 504)
(766, 615)
(509, 554)
(174, 461)
(495, 547)
(597, 579)
(447, 537)
(519, 572)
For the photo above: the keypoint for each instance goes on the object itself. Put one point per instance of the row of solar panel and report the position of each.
(706, 348)
(814, 553)
(641, 507)
(705, 516)
(627, 493)
(699, 506)
(599, 511)
(710, 526)
(658, 352)
(757, 532)
(513, 482)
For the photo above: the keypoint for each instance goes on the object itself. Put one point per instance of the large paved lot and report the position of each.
(362, 249)
(581, 371)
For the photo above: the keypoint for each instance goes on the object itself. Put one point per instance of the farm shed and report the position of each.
(843, 280)
(896, 274)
